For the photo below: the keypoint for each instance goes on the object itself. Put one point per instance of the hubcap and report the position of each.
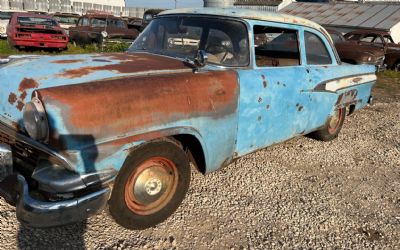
(335, 120)
(151, 186)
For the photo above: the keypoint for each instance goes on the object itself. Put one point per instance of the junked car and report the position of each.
(381, 40)
(101, 28)
(66, 20)
(5, 16)
(35, 30)
(80, 131)
(357, 53)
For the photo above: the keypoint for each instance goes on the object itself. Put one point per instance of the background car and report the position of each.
(149, 15)
(357, 53)
(101, 28)
(381, 40)
(4, 20)
(66, 20)
(35, 30)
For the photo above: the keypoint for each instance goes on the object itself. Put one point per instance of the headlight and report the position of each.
(104, 34)
(369, 58)
(35, 120)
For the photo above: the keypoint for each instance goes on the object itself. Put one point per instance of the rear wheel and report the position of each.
(332, 127)
(150, 186)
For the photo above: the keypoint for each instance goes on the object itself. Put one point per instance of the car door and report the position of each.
(271, 105)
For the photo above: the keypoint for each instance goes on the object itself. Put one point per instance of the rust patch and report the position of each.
(68, 61)
(267, 107)
(128, 63)
(20, 105)
(259, 99)
(265, 84)
(137, 103)
(12, 98)
(27, 83)
(23, 96)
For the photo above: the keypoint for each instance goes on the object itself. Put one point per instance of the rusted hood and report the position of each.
(20, 77)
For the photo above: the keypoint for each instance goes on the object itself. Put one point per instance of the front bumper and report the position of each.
(77, 196)
(41, 214)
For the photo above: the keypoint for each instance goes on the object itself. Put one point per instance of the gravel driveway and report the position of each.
(299, 194)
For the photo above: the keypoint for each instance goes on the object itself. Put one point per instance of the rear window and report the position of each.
(27, 20)
(5, 15)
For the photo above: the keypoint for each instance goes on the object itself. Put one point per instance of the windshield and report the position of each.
(5, 15)
(66, 19)
(26, 20)
(225, 41)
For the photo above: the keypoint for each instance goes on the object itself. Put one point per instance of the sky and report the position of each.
(164, 3)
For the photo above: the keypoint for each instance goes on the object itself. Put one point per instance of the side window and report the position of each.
(85, 22)
(276, 47)
(316, 52)
(368, 38)
(80, 22)
(378, 39)
(219, 47)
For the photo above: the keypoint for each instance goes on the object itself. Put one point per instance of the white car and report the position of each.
(5, 16)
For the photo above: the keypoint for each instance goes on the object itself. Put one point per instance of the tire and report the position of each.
(331, 129)
(150, 186)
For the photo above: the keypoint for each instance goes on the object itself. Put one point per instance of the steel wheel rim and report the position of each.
(334, 121)
(151, 186)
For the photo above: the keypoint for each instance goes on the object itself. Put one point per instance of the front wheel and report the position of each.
(150, 186)
(332, 127)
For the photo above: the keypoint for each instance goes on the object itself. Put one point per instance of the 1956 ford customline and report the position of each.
(200, 86)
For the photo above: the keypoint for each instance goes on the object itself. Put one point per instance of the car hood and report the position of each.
(21, 76)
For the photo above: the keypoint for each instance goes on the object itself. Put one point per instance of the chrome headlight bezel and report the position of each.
(35, 120)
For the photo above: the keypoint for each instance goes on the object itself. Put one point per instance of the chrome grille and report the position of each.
(20, 150)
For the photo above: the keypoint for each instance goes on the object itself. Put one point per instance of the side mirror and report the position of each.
(201, 58)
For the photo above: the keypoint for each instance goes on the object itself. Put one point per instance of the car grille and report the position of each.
(21, 150)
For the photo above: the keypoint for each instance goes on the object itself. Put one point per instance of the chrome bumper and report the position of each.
(38, 213)
(41, 214)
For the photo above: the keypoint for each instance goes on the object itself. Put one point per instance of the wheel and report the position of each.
(332, 127)
(150, 186)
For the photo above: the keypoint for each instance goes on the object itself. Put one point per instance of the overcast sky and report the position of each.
(164, 3)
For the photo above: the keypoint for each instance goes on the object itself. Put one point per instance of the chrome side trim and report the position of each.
(54, 156)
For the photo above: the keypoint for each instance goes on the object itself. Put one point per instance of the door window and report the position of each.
(276, 47)
(316, 51)
(85, 21)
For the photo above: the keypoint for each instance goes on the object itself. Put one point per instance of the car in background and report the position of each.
(35, 30)
(101, 28)
(381, 40)
(149, 15)
(66, 20)
(134, 23)
(5, 17)
(356, 53)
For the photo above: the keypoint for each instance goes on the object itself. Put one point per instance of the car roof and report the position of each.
(247, 14)
(370, 31)
(29, 14)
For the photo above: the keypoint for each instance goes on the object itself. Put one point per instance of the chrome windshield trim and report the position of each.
(54, 156)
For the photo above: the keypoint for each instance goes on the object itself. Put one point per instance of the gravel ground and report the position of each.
(299, 194)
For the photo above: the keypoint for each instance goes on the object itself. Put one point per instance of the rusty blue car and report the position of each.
(198, 87)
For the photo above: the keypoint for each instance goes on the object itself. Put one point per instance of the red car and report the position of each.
(34, 30)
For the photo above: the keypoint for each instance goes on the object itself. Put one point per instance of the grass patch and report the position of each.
(389, 74)
(7, 50)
